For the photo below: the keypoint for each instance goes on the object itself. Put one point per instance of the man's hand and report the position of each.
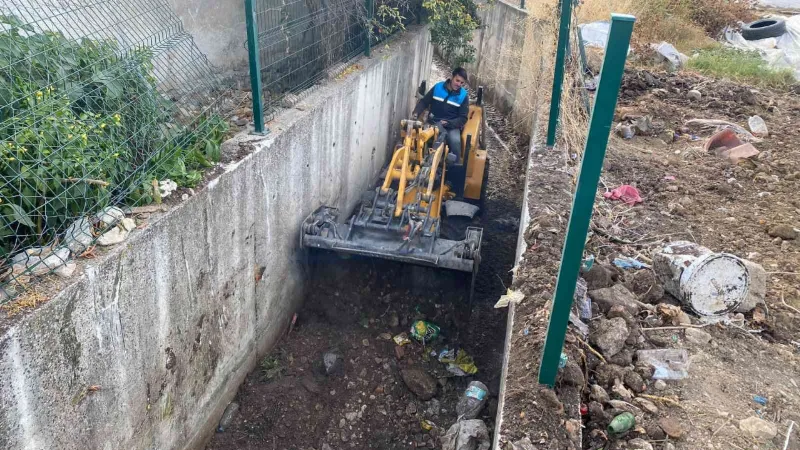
(413, 117)
(444, 123)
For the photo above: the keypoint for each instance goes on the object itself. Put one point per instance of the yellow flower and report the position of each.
(12, 159)
(39, 94)
(69, 136)
(102, 125)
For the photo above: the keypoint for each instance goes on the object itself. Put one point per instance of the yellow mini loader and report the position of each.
(418, 211)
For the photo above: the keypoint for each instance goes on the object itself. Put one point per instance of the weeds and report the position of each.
(271, 367)
(740, 65)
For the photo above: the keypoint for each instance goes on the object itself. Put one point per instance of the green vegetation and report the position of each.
(740, 65)
(83, 126)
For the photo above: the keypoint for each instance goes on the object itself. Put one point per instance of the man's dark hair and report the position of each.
(460, 72)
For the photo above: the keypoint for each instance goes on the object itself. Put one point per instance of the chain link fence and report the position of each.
(298, 43)
(99, 100)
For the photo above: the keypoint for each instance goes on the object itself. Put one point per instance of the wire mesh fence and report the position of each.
(99, 99)
(301, 42)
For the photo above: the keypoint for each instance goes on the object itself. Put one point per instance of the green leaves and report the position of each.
(452, 23)
(21, 216)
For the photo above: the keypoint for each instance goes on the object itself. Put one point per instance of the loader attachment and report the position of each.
(363, 235)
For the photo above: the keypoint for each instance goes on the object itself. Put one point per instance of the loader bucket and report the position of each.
(322, 230)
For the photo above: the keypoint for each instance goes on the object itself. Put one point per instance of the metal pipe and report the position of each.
(255, 66)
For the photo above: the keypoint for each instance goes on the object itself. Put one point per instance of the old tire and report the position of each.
(763, 28)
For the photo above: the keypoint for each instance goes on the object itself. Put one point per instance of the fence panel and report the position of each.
(98, 98)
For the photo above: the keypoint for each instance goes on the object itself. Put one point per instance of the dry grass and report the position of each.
(27, 301)
(687, 24)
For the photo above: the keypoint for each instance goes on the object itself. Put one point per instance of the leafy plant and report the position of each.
(82, 126)
(452, 24)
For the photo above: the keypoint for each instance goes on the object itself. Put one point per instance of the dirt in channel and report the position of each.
(353, 308)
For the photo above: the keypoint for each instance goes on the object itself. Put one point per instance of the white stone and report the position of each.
(758, 428)
(110, 215)
(112, 237)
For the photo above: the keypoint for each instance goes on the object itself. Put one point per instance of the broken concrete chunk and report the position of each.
(78, 236)
(697, 336)
(615, 295)
(783, 231)
(112, 237)
(759, 429)
(128, 224)
(66, 270)
(110, 216)
(694, 95)
(609, 335)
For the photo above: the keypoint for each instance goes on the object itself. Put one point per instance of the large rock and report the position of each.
(639, 444)
(615, 295)
(671, 426)
(758, 287)
(78, 236)
(783, 231)
(420, 383)
(332, 362)
(599, 277)
(572, 374)
(609, 335)
(697, 336)
(110, 216)
(113, 236)
(758, 429)
(42, 263)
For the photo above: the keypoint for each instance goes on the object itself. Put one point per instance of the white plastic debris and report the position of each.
(167, 187)
(509, 297)
(758, 126)
(709, 283)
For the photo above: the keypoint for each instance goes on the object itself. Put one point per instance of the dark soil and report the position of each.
(353, 308)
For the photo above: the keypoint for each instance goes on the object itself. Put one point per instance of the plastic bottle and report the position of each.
(227, 416)
(622, 423)
(472, 401)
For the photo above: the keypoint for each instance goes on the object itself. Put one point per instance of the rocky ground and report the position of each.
(339, 380)
(741, 387)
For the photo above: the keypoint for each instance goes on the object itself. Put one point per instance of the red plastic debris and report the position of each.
(626, 193)
(584, 409)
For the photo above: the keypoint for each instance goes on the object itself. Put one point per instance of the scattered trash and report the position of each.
(711, 284)
(788, 435)
(758, 126)
(666, 52)
(760, 400)
(622, 423)
(669, 178)
(726, 143)
(424, 331)
(332, 362)
(458, 363)
(385, 336)
(562, 361)
(472, 401)
(586, 308)
(427, 425)
(509, 297)
(779, 52)
(227, 416)
(721, 125)
(763, 29)
(587, 263)
(625, 131)
(584, 409)
(420, 383)
(526, 331)
(595, 34)
(669, 363)
(401, 339)
(467, 435)
(167, 187)
(582, 327)
(627, 193)
(624, 262)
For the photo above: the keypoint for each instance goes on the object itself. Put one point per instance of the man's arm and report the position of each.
(423, 103)
(463, 112)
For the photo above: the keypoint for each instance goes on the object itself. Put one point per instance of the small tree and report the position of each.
(452, 24)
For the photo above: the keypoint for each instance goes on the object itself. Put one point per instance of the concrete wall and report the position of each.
(218, 28)
(512, 48)
(169, 322)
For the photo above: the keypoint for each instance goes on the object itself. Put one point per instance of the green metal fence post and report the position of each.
(368, 30)
(595, 151)
(255, 65)
(558, 74)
